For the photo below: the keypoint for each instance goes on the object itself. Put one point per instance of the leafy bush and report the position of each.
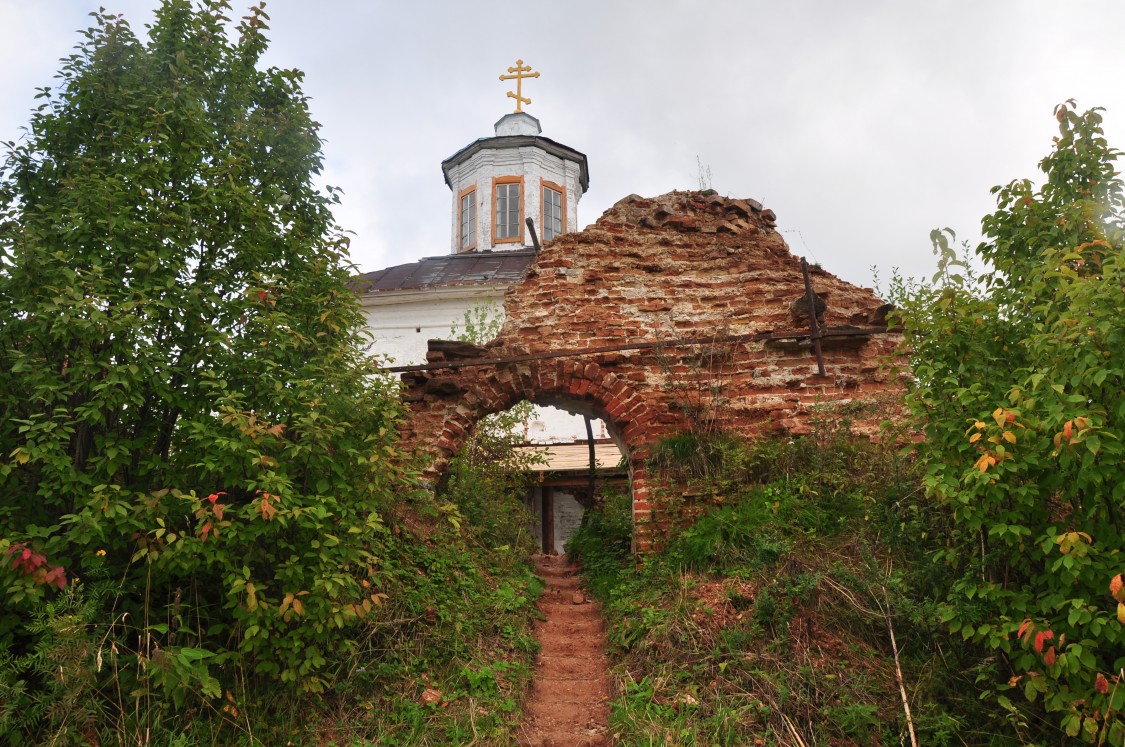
(185, 409)
(1021, 393)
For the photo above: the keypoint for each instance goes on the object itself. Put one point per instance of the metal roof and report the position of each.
(452, 269)
(520, 141)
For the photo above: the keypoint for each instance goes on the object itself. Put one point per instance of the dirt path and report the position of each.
(567, 705)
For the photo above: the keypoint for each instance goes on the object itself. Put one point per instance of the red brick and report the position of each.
(698, 268)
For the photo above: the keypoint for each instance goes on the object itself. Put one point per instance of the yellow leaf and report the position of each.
(974, 438)
(998, 416)
(1009, 437)
(1117, 588)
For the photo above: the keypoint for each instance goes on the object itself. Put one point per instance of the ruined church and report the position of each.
(682, 313)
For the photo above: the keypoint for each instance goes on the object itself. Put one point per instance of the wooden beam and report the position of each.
(548, 520)
(814, 326)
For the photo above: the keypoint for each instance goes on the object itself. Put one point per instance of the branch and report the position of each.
(898, 670)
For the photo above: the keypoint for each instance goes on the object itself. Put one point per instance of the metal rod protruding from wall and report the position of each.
(534, 238)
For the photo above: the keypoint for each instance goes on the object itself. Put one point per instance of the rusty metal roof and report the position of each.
(452, 269)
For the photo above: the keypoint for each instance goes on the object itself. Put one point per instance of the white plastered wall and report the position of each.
(402, 321)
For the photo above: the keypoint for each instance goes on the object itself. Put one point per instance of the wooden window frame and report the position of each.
(544, 184)
(476, 216)
(496, 182)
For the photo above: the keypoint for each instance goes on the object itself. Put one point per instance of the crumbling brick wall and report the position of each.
(674, 278)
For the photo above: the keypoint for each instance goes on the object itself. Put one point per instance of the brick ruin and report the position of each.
(667, 315)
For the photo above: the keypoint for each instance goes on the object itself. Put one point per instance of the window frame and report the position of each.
(472, 243)
(543, 186)
(496, 182)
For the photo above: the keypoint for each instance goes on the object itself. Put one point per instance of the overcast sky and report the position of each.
(862, 124)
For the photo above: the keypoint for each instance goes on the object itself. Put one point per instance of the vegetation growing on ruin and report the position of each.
(769, 620)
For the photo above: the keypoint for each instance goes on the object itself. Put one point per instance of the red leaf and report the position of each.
(1024, 628)
(1101, 684)
(56, 576)
(266, 508)
(1049, 657)
(1042, 635)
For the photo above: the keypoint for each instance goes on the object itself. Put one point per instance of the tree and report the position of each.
(1020, 389)
(185, 409)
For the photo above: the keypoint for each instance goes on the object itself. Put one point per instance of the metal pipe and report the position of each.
(534, 238)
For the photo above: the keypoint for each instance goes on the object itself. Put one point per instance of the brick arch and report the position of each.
(440, 425)
(687, 305)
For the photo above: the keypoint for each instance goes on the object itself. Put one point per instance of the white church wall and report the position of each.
(568, 516)
(402, 321)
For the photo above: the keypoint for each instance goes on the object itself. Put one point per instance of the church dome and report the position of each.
(499, 182)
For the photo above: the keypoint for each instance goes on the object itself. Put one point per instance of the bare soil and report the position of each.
(568, 701)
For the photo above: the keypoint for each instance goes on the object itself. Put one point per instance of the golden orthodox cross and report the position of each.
(521, 71)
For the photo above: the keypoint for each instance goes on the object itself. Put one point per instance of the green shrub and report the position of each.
(1021, 392)
(185, 406)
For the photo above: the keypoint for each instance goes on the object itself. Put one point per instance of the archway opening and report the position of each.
(576, 462)
(566, 457)
(446, 411)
